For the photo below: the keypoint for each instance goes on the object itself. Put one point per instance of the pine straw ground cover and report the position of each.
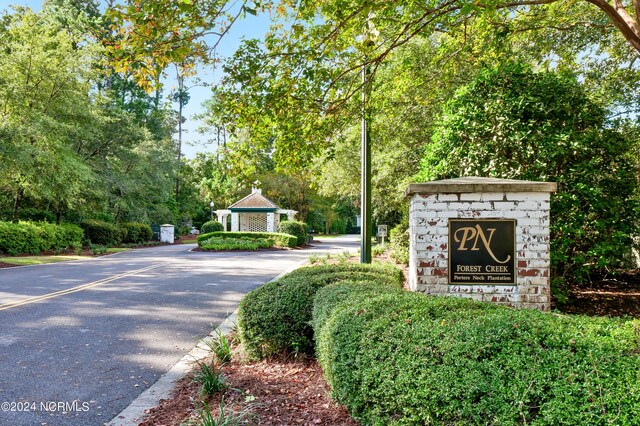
(276, 392)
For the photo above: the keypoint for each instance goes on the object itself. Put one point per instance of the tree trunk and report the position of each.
(16, 203)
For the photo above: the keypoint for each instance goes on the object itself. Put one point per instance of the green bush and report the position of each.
(217, 243)
(280, 240)
(275, 318)
(181, 230)
(36, 215)
(35, 237)
(211, 226)
(399, 243)
(330, 297)
(135, 232)
(407, 358)
(102, 233)
(298, 229)
(69, 236)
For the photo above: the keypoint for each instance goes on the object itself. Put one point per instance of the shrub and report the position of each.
(69, 236)
(211, 226)
(399, 243)
(97, 249)
(298, 229)
(280, 240)
(15, 239)
(102, 233)
(217, 243)
(378, 250)
(181, 230)
(135, 232)
(407, 358)
(275, 318)
(36, 215)
(328, 298)
(33, 238)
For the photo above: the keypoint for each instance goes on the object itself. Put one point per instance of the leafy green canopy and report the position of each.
(511, 122)
(73, 143)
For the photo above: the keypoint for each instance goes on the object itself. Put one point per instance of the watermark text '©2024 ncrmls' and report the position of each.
(46, 406)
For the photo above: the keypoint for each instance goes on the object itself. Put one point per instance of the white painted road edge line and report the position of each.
(163, 388)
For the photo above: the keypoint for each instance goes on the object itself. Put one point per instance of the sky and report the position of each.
(250, 27)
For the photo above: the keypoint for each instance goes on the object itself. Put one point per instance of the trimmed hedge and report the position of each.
(102, 233)
(407, 358)
(35, 237)
(211, 226)
(280, 240)
(217, 243)
(329, 298)
(298, 229)
(135, 232)
(275, 318)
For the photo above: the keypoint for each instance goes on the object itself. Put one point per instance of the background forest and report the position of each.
(542, 92)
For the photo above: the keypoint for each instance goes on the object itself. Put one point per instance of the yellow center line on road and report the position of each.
(75, 289)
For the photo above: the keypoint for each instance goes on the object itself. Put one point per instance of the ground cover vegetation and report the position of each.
(273, 238)
(218, 243)
(396, 357)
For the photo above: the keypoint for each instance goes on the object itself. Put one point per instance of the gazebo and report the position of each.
(254, 213)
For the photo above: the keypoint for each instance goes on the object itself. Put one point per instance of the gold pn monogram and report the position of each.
(474, 233)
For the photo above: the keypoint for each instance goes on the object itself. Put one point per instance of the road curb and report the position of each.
(163, 388)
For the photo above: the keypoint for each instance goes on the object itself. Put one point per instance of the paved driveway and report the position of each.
(80, 340)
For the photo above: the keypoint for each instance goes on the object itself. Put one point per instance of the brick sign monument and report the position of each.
(482, 238)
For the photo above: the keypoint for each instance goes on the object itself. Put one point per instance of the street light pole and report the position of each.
(211, 205)
(365, 178)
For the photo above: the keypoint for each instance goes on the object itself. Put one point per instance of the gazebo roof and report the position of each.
(254, 201)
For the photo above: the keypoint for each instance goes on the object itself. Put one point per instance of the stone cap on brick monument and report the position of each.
(469, 184)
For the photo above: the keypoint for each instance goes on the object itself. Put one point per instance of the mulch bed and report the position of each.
(613, 296)
(282, 393)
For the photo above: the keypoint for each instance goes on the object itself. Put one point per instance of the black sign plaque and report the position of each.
(482, 251)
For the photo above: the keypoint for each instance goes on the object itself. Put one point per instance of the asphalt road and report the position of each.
(80, 340)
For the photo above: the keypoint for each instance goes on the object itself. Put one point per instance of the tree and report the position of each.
(511, 122)
(148, 36)
(39, 100)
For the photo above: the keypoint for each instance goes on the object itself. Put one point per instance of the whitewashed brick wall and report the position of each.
(428, 261)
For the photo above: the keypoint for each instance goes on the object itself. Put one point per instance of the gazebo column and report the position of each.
(271, 222)
(291, 215)
(235, 222)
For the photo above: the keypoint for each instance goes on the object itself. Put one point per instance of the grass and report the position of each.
(225, 417)
(221, 347)
(116, 249)
(210, 379)
(39, 260)
(328, 235)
